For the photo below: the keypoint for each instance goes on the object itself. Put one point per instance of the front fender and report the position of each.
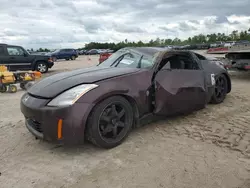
(103, 91)
(134, 86)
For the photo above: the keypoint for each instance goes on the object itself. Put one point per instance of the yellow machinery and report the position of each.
(8, 79)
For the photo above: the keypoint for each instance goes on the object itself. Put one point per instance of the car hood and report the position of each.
(40, 56)
(50, 54)
(53, 85)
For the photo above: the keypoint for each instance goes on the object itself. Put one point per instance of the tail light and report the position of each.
(50, 59)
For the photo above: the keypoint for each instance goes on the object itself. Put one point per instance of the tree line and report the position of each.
(197, 39)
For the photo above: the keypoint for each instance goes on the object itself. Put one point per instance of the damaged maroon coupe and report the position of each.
(103, 103)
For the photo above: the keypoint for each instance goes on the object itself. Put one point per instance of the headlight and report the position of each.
(70, 96)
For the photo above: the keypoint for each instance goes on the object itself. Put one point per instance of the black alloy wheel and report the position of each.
(110, 122)
(221, 89)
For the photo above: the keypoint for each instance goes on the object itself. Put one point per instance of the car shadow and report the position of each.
(87, 147)
(70, 150)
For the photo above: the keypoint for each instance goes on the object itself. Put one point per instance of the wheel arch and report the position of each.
(229, 85)
(38, 61)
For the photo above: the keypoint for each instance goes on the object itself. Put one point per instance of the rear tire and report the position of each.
(110, 122)
(42, 67)
(221, 88)
(73, 57)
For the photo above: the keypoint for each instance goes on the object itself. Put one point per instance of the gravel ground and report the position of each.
(206, 149)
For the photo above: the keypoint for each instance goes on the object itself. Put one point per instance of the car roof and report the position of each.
(9, 45)
(151, 51)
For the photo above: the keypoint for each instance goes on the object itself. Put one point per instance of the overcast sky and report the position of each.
(72, 23)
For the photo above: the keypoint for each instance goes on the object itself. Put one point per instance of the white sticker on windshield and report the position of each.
(212, 79)
(127, 61)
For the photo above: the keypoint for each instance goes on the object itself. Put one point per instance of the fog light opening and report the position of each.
(59, 128)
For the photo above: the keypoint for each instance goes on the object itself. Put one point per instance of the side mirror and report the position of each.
(25, 55)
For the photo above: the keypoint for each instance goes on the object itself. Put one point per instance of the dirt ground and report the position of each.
(206, 149)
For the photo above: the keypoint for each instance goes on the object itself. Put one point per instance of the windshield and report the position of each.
(55, 51)
(130, 59)
(26, 51)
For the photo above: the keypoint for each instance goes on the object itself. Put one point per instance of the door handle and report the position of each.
(12, 58)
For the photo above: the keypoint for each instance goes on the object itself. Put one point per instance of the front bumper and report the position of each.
(50, 64)
(42, 121)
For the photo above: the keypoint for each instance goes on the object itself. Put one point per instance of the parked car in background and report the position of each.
(109, 51)
(229, 43)
(217, 44)
(92, 52)
(66, 54)
(82, 52)
(239, 60)
(203, 46)
(104, 56)
(241, 42)
(17, 58)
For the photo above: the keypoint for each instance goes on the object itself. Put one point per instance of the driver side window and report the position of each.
(179, 62)
(17, 51)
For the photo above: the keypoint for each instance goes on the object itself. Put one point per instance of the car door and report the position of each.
(18, 59)
(65, 53)
(180, 86)
(61, 54)
(69, 53)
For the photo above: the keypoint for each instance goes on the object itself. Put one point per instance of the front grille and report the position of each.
(35, 125)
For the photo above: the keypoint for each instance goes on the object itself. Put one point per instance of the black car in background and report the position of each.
(82, 52)
(92, 52)
(17, 58)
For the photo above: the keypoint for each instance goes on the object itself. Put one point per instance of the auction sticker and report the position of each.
(213, 79)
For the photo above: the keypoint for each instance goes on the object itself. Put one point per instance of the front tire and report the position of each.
(42, 67)
(221, 88)
(73, 57)
(110, 122)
